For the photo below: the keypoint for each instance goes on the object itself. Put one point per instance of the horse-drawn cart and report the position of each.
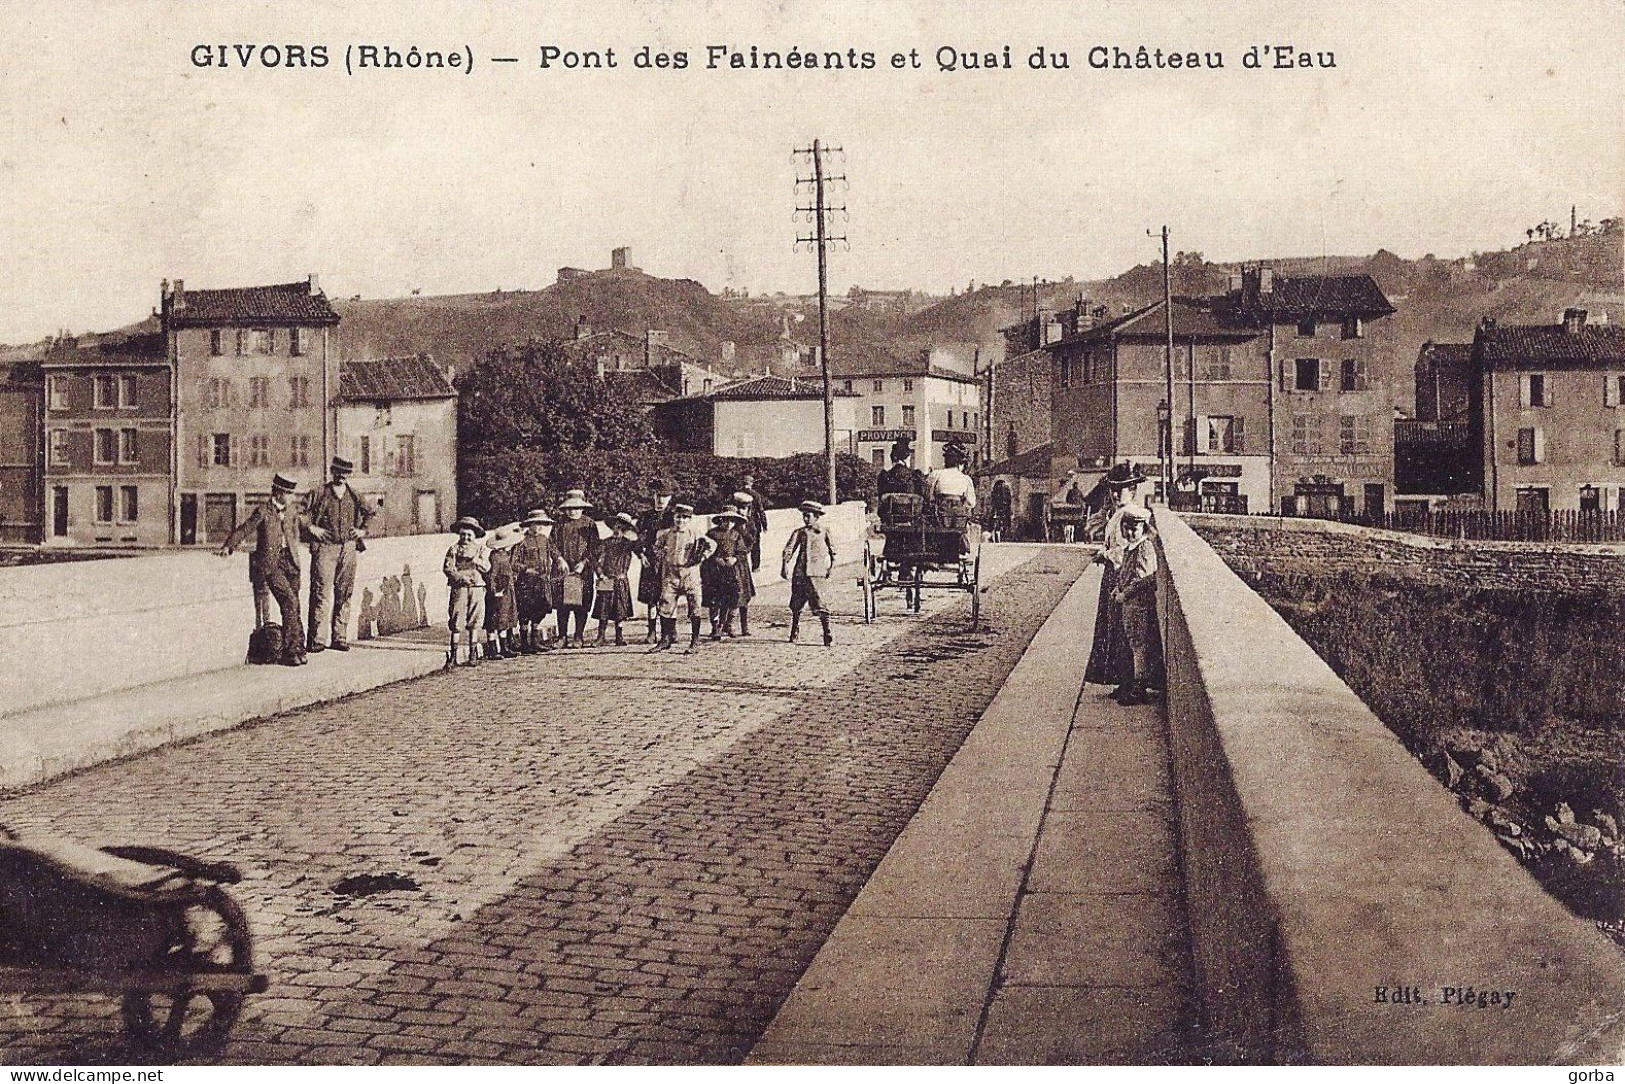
(926, 547)
(150, 926)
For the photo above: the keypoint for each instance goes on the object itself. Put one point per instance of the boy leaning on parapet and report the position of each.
(809, 558)
(1135, 592)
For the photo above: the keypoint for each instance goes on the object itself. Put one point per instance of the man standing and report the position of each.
(755, 509)
(274, 563)
(336, 523)
(901, 478)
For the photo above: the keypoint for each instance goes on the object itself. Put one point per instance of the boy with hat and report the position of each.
(465, 567)
(1135, 592)
(755, 522)
(536, 563)
(336, 523)
(679, 552)
(274, 564)
(577, 541)
(501, 604)
(612, 600)
(809, 556)
(653, 520)
(720, 576)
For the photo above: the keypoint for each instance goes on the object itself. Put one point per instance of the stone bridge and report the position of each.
(925, 845)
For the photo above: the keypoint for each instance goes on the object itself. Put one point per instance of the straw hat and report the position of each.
(538, 517)
(471, 523)
(507, 536)
(575, 499)
(814, 507)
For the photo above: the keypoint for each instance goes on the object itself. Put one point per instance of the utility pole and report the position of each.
(1168, 366)
(819, 210)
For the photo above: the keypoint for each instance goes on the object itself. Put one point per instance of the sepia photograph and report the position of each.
(846, 534)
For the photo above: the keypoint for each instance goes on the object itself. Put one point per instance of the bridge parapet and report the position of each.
(1332, 882)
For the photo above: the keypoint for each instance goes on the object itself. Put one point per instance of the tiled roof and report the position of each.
(1447, 354)
(1193, 319)
(1298, 297)
(873, 365)
(394, 378)
(111, 349)
(775, 387)
(282, 305)
(596, 340)
(641, 385)
(1525, 345)
(1033, 463)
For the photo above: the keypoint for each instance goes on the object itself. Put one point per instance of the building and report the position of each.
(109, 434)
(1110, 386)
(397, 422)
(668, 373)
(771, 416)
(1333, 412)
(930, 404)
(22, 467)
(256, 380)
(1548, 406)
(1438, 453)
(1018, 386)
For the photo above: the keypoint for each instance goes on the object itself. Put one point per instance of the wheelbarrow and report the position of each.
(150, 926)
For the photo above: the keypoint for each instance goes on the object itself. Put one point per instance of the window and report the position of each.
(1353, 328)
(59, 392)
(1306, 328)
(299, 450)
(1355, 375)
(1223, 433)
(126, 391)
(1354, 435)
(908, 417)
(1619, 447)
(381, 416)
(406, 455)
(1590, 499)
(296, 341)
(908, 385)
(877, 416)
(1531, 446)
(259, 450)
(217, 342)
(846, 385)
(364, 460)
(59, 448)
(299, 392)
(104, 504)
(1533, 390)
(1532, 499)
(1306, 434)
(106, 446)
(127, 451)
(129, 504)
(1216, 363)
(256, 341)
(259, 392)
(106, 395)
(880, 385)
(221, 455)
(1613, 390)
(219, 393)
(1308, 375)
(1065, 373)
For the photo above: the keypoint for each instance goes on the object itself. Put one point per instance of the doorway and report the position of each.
(426, 512)
(188, 519)
(59, 511)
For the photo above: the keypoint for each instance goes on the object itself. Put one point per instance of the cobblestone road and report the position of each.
(596, 857)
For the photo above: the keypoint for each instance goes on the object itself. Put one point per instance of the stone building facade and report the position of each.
(771, 416)
(397, 422)
(22, 454)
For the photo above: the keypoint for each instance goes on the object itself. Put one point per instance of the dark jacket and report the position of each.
(338, 515)
(900, 478)
(275, 533)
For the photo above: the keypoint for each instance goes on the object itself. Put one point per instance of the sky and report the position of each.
(1443, 128)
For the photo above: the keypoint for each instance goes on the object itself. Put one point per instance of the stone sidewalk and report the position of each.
(1032, 911)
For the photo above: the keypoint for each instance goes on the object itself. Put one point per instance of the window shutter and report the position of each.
(1238, 434)
(1523, 389)
(203, 449)
(1610, 390)
(1287, 372)
(1540, 445)
(1547, 396)
(1619, 447)
(1325, 375)
(1362, 375)
(1204, 435)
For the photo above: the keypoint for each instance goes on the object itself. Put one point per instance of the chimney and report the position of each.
(1574, 321)
(1235, 283)
(1266, 281)
(598, 365)
(583, 329)
(315, 285)
(651, 340)
(728, 352)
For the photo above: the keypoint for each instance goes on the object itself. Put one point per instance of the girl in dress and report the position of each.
(612, 603)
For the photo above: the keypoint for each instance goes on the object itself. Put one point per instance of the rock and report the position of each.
(1499, 786)
(1584, 836)
(1565, 815)
(1504, 823)
(1609, 826)
(1479, 808)
(1452, 772)
(1488, 761)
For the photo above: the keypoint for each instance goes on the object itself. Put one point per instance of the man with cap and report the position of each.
(753, 506)
(336, 523)
(679, 551)
(755, 522)
(651, 522)
(900, 478)
(466, 566)
(536, 564)
(577, 541)
(274, 563)
(809, 558)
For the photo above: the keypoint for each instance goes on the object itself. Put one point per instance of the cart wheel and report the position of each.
(976, 594)
(209, 934)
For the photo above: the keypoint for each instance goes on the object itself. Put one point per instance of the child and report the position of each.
(809, 556)
(679, 551)
(1135, 592)
(613, 601)
(720, 578)
(577, 542)
(501, 606)
(465, 568)
(536, 563)
(755, 520)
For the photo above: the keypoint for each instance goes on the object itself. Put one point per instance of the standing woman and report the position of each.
(576, 538)
(1110, 662)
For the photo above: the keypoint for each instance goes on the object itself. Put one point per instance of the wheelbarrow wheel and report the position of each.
(208, 935)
